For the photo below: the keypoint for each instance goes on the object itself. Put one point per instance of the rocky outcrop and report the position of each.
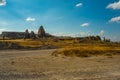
(26, 34)
(32, 35)
(90, 38)
(41, 32)
(94, 38)
(106, 40)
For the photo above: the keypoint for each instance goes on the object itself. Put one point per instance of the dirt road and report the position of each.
(24, 53)
(40, 65)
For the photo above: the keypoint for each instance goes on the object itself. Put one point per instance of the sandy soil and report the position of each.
(40, 65)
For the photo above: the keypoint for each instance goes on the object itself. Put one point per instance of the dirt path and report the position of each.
(24, 53)
(40, 65)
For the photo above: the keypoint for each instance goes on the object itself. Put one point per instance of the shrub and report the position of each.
(75, 52)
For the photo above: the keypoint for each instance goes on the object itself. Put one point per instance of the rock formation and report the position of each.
(106, 40)
(26, 34)
(98, 38)
(94, 38)
(32, 35)
(41, 32)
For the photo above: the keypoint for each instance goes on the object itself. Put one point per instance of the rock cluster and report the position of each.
(41, 34)
(26, 35)
(90, 38)
(94, 38)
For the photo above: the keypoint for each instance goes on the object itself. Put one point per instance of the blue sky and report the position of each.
(63, 17)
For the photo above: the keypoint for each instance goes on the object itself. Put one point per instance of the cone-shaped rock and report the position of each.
(26, 35)
(41, 32)
(32, 35)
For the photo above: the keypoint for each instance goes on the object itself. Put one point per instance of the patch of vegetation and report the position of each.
(76, 52)
(69, 47)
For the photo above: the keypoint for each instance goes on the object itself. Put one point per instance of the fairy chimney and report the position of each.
(41, 32)
(32, 35)
(26, 34)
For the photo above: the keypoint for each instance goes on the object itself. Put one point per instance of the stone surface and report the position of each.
(26, 35)
(32, 35)
(41, 32)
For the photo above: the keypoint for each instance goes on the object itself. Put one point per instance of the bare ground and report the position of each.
(40, 65)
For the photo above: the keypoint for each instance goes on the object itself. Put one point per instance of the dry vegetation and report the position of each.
(86, 52)
(21, 42)
(90, 49)
(71, 47)
(101, 62)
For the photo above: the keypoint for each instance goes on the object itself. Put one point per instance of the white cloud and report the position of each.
(85, 24)
(79, 5)
(115, 5)
(30, 19)
(115, 19)
(101, 32)
(2, 2)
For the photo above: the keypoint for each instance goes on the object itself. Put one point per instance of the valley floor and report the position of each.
(41, 65)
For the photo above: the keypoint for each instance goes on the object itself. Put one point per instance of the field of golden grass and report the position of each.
(72, 47)
(79, 52)
(87, 50)
(41, 42)
(60, 43)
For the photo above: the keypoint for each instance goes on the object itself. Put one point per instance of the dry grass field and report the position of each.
(70, 61)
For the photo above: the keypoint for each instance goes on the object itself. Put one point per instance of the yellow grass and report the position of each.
(72, 47)
(37, 43)
(87, 52)
(89, 49)
(25, 43)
